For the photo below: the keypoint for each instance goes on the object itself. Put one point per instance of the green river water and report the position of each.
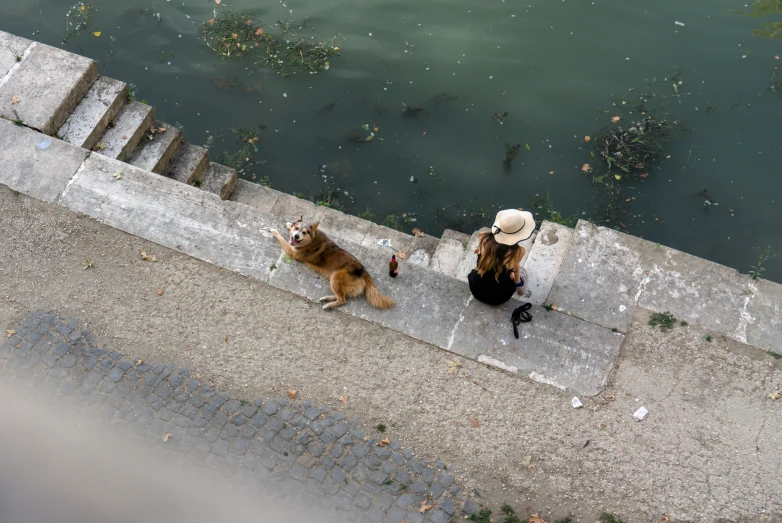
(559, 68)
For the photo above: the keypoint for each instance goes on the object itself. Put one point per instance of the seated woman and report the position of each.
(498, 273)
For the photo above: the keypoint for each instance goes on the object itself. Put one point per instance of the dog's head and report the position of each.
(300, 234)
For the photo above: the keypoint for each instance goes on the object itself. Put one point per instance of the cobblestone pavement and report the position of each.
(296, 451)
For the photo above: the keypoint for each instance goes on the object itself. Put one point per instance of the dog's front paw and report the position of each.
(273, 231)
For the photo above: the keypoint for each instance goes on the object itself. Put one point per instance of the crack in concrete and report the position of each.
(83, 165)
(18, 64)
(452, 337)
(744, 317)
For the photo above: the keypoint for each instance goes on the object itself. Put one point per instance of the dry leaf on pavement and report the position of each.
(527, 462)
(87, 264)
(534, 518)
(15, 100)
(148, 257)
(424, 507)
(198, 376)
(401, 255)
(9, 333)
(167, 435)
(139, 362)
(160, 291)
(475, 423)
(453, 367)
(775, 395)
(292, 394)
(343, 398)
(384, 442)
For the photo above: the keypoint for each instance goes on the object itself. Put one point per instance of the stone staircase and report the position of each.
(116, 163)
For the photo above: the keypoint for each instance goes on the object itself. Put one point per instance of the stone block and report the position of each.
(12, 49)
(155, 151)
(46, 87)
(219, 179)
(545, 259)
(255, 195)
(553, 348)
(761, 318)
(341, 226)
(175, 215)
(126, 131)
(701, 292)
(449, 252)
(470, 260)
(427, 303)
(189, 163)
(418, 250)
(36, 164)
(289, 208)
(601, 275)
(95, 111)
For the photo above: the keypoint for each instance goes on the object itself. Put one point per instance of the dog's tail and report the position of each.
(375, 299)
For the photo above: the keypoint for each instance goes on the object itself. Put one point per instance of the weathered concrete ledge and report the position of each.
(591, 279)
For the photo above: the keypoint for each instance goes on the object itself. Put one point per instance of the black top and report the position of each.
(488, 290)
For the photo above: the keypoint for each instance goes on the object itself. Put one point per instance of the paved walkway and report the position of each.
(298, 451)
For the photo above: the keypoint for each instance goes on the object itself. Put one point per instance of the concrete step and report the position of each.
(157, 147)
(431, 306)
(469, 261)
(12, 49)
(218, 179)
(545, 259)
(255, 195)
(189, 163)
(44, 88)
(450, 252)
(126, 131)
(96, 110)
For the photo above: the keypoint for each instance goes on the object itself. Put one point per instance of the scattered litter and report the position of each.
(384, 442)
(15, 100)
(167, 435)
(9, 333)
(454, 366)
(424, 507)
(147, 257)
(679, 23)
(117, 175)
(775, 395)
(87, 264)
(576, 403)
(385, 242)
(640, 414)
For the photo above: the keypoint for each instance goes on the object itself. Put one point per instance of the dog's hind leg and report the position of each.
(328, 298)
(338, 282)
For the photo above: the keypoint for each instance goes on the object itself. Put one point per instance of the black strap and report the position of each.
(520, 315)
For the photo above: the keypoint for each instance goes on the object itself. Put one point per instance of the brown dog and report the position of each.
(347, 277)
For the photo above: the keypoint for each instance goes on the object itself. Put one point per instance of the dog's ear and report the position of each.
(288, 225)
(314, 226)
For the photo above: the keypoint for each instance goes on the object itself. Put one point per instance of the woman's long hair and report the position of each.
(498, 257)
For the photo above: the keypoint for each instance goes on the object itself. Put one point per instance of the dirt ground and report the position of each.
(708, 451)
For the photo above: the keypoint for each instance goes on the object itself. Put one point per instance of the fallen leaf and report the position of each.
(615, 119)
(198, 376)
(87, 264)
(226, 339)
(337, 49)
(453, 367)
(211, 21)
(534, 518)
(668, 156)
(343, 398)
(96, 33)
(117, 175)
(235, 36)
(618, 176)
(644, 175)
(292, 394)
(587, 139)
(475, 423)
(664, 519)
(101, 146)
(627, 200)
(418, 232)
(160, 291)
(424, 133)
(554, 308)
(139, 362)
(147, 257)
(551, 172)
(424, 507)
(15, 100)
(401, 255)
(775, 395)
(218, 1)
(384, 442)
(586, 168)
(248, 22)
(9, 333)
(776, 57)
(527, 461)
(258, 32)
(167, 435)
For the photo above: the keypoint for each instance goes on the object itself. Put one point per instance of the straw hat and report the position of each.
(512, 226)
